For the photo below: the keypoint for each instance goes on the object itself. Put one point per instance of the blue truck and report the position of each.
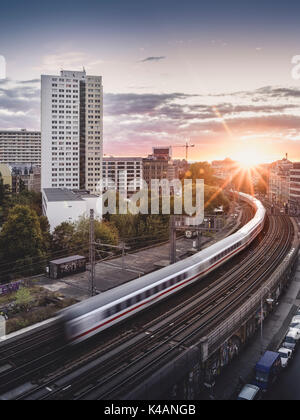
(267, 370)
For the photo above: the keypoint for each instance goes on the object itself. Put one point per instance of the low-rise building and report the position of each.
(62, 205)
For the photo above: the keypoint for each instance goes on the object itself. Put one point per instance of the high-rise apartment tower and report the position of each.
(72, 131)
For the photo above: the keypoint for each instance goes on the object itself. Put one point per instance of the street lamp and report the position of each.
(269, 302)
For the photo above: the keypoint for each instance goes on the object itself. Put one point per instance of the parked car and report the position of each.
(298, 311)
(295, 322)
(285, 356)
(250, 393)
(292, 338)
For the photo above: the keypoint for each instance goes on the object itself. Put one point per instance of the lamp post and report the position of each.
(269, 301)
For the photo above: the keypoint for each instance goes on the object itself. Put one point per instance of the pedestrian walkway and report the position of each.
(274, 331)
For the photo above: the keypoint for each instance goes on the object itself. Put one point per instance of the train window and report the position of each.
(148, 293)
(156, 289)
(120, 306)
(110, 312)
(130, 302)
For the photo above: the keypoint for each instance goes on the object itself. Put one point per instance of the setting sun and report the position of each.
(247, 158)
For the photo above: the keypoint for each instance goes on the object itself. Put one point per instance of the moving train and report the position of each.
(101, 312)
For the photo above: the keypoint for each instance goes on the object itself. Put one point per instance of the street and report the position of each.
(287, 386)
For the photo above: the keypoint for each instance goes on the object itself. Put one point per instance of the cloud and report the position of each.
(19, 105)
(146, 60)
(29, 82)
(133, 104)
(134, 122)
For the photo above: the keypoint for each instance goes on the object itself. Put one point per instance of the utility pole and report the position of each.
(172, 240)
(199, 241)
(123, 256)
(92, 253)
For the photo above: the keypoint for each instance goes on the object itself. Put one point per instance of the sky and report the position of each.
(218, 74)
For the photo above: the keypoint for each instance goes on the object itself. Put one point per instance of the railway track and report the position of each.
(34, 353)
(169, 332)
(28, 343)
(188, 332)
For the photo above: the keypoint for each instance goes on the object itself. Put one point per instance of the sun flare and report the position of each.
(248, 158)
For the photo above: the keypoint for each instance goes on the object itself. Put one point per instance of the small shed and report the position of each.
(67, 266)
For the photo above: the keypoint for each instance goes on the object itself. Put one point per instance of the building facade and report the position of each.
(72, 130)
(159, 166)
(26, 178)
(20, 147)
(62, 205)
(294, 199)
(123, 174)
(279, 182)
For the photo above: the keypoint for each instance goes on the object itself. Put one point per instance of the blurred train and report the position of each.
(96, 314)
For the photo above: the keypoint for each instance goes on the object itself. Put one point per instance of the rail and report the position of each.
(239, 317)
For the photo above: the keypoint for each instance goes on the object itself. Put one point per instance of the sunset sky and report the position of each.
(217, 73)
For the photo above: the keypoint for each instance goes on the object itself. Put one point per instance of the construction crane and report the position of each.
(187, 146)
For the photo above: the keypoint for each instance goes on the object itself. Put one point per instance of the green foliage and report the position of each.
(214, 197)
(24, 198)
(21, 242)
(62, 238)
(141, 230)
(45, 228)
(202, 170)
(4, 194)
(71, 238)
(23, 299)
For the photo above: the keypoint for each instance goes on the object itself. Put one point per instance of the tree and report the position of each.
(45, 228)
(73, 238)
(202, 170)
(105, 233)
(4, 191)
(63, 237)
(23, 299)
(24, 198)
(141, 230)
(215, 198)
(21, 241)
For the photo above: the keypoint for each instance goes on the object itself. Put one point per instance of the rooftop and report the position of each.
(121, 159)
(60, 194)
(73, 258)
